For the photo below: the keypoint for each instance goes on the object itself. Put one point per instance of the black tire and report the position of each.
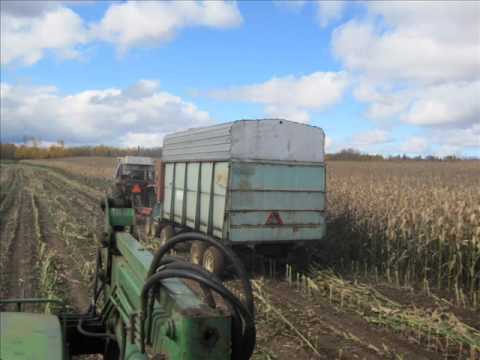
(300, 257)
(213, 260)
(196, 252)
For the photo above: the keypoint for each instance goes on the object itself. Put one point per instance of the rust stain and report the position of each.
(221, 180)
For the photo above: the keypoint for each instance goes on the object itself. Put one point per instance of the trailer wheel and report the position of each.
(165, 234)
(300, 257)
(213, 260)
(196, 252)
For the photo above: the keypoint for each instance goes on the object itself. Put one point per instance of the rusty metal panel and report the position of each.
(219, 197)
(205, 190)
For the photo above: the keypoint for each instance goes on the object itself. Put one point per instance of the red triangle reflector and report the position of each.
(136, 189)
(274, 219)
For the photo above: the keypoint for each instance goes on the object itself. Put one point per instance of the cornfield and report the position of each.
(412, 223)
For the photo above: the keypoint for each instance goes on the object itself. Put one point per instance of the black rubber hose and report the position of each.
(242, 349)
(84, 332)
(229, 254)
(175, 263)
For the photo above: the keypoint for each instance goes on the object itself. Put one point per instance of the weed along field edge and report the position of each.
(397, 277)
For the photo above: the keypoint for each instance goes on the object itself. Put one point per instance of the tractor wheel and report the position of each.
(213, 260)
(196, 252)
(165, 234)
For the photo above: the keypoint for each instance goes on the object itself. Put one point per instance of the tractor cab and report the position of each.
(135, 175)
(135, 169)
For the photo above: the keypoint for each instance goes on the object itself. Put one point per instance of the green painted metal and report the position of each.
(27, 336)
(233, 200)
(180, 319)
(195, 195)
(121, 216)
(180, 326)
(295, 192)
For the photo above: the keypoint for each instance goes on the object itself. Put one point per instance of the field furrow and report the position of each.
(391, 281)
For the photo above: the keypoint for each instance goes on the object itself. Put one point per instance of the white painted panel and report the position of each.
(266, 139)
(277, 140)
(168, 189)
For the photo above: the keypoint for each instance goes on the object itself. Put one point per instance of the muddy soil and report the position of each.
(38, 206)
(50, 218)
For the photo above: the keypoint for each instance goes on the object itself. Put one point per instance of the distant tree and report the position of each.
(351, 154)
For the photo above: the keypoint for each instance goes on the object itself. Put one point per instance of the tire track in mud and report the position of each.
(45, 218)
(68, 217)
(76, 292)
(20, 268)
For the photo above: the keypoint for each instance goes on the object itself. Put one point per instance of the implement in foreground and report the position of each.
(142, 307)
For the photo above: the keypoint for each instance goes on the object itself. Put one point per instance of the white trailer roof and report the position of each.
(265, 139)
(136, 160)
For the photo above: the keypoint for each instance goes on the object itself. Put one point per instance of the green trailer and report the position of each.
(256, 184)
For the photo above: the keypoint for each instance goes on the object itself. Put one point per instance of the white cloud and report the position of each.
(448, 104)
(418, 62)
(329, 10)
(371, 137)
(329, 143)
(290, 96)
(384, 102)
(31, 28)
(144, 139)
(150, 23)
(415, 145)
(26, 37)
(286, 112)
(26, 8)
(139, 115)
(464, 138)
(420, 42)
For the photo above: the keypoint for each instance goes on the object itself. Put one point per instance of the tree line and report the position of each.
(33, 151)
(355, 155)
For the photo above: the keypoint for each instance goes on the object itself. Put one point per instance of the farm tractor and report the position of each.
(143, 307)
(134, 178)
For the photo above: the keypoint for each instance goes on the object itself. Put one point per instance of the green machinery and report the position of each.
(142, 307)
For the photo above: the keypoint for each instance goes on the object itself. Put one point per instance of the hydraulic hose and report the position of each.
(227, 252)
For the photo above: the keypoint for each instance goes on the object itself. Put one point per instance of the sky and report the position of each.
(381, 77)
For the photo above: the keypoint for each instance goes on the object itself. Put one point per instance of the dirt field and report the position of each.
(48, 217)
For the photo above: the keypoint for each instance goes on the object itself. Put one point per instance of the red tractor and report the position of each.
(135, 183)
